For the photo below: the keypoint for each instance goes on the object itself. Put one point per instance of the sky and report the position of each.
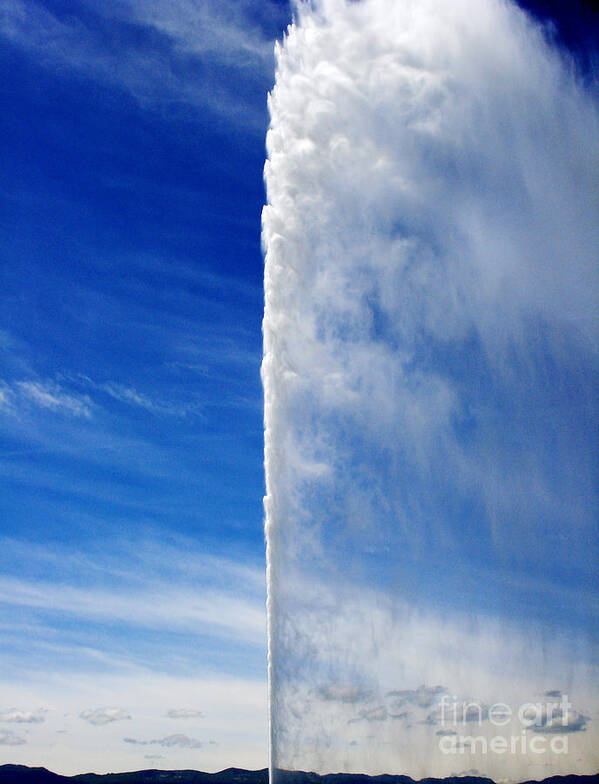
(132, 587)
(132, 593)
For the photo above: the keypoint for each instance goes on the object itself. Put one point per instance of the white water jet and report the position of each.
(430, 368)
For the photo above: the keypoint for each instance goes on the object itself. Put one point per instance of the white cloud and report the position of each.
(183, 561)
(178, 740)
(134, 397)
(129, 395)
(4, 397)
(22, 717)
(101, 716)
(170, 741)
(343, 693)
(50, 396)
(157, 606)
(224, 32)
(109, 606)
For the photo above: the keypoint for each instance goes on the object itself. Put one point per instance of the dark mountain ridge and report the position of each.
(22, 774)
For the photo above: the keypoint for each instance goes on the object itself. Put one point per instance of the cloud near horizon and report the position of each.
(184, 713)
(170, 741)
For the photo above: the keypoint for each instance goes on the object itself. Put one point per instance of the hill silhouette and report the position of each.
(22, 774)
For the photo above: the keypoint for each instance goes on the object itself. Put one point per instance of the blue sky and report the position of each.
(130, 346)
(132, 588)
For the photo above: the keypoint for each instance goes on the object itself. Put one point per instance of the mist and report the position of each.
(430, 373)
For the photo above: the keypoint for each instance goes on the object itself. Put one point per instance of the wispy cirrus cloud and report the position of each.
(129, 560)
(158, 52)
(157, 606)
(49, 395)
(133, 397)
(165, 595)
(71, 396)
(5, 402)
(46, 395)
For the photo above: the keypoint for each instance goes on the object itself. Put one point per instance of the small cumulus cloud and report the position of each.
(9, 739)
(423, 697)
(402, 715)
(153, 756)
(373, 714)
(184, 713)
(170, 741)
(101, 716)
(458, 713)
(343, 693)
(562, 724)
(22, 717)
(180, 740)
